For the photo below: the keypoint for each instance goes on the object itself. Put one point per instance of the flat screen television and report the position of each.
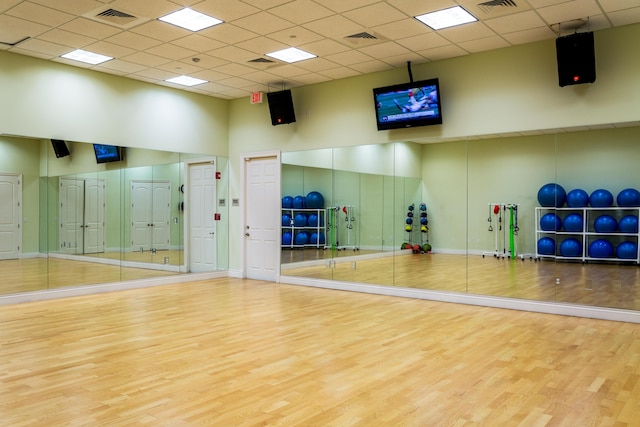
(107, 153)
(408, 105)
(60, 148)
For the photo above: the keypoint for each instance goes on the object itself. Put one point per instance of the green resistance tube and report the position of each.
(511, 233)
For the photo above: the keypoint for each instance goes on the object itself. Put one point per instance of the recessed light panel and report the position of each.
(186, 81)
(446, 18)
(190, 19)
(86, 57)
(291, 54)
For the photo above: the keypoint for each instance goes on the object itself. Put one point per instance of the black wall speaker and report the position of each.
(576, 59)
(281, 107)
(60, 148)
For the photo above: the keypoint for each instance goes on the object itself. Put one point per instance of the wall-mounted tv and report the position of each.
(107, 153)
(60, 148)
(408, 105)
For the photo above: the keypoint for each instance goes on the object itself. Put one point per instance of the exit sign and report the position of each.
(256, 98)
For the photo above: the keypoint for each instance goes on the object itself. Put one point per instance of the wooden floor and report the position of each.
(232, 352)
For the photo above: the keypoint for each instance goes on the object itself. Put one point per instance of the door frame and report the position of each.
(18, 208)
(244, 159)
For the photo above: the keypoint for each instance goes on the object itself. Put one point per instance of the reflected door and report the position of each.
(202, 225)
(150, 215)
(82, 216)
(10, 216)
(94, 211)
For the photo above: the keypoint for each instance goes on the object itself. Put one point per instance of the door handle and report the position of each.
(247, 234)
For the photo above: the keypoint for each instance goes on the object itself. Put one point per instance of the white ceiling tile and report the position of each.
(40, 14)
(311, 78)
(317, 64)
(443, 52)
(235, 69)
(625, 17)
(301, 11)
(262, 77)
(334, 26)
(383, 50)
(172, 51)
(262, 22)
(75, 7)
(8, 4)
(401, 29)
(480, 45)
(529, 36)
(205, 61)
(228, 33)
(90, 28)
(261, 45)
(295, 36)
(462, 33)
(348, 58)
(236, 82)
(266, 4)
(340, 73)
(45, 47)
(198, 43)
(134, 41)
(14, 29)
(401, 60)
(233, 54)
(423, 41)
(34, 54)
(160, 31)
(516, 22)
(344, 5)
(324, 47)
(210, 75)
(288, 70)
(147, 59)
(375, 14)
(66, 38)
(145, 8)
(568, 11)
(372, 66)
(617, 5)
(226, 10)
(109, 49)
(123, 67)
(180, 67)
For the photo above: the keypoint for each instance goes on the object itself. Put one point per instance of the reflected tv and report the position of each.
(107, 153)
(408, 105)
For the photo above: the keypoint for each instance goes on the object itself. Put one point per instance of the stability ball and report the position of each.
(573, 222)
(605, 224)
(315, 200)
(600, 249)
(286, 220)
(628, 224)
(546, 246)
(299, 202)
(577, 198)
(287, 202)
(286, 238)
(552, 195)
(601, 198)
(316, 238)
(550, 222)
(302, 238)
(628, 198)
(627, 250)
(300, 220)
(571, 247)
(312, 220)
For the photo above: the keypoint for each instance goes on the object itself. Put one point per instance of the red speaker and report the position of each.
(281, 107)
(576, 59)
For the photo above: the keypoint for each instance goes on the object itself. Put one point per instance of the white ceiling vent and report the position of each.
(116, 17)
(364, 38)
(489, 6)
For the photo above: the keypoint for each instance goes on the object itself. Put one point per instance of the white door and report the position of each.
(150, 215)
(262, 216)
(201, 208)
(71, 198)
(161, 215)
(94, 212)
(10, 216)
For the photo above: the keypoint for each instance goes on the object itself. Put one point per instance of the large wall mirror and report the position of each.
(472, 209)
(72, 221)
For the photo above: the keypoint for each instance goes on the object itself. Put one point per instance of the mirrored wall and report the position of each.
(473, 216)
(72, 221)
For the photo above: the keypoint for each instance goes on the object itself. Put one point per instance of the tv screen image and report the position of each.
(408, 105)
(107, 153)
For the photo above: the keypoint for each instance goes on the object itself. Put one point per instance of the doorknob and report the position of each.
(247, 234)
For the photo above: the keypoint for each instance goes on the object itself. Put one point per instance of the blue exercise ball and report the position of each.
(601, 198)
(552, 195)
(628, 224)
(573, 222)
(628, 198)
(605, 224)
(627, 250)
(302, 238)
(571, 247)
(316, 238)
(315, 200)
(286, 238)
(299, 202)
(577, 198)
(300, 220)
(286, 220)
(546, 246)
(287, 202)
(550, 222)
(312, 220)
(600, 249)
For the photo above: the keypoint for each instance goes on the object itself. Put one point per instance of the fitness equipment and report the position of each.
(287, 202)
(627, 250)
(546, 246)
(573, 222)
(299, 202)
(301, 238)
(496, 211)
(601, 198)
(424, 229)
(312, 220)
(600, 248)
(550, 222)
(300, 220)
(628, 224)
(317, 238)
(628, 198)
(571, 247)
(552, 195)
(577, 198)
(350, 219)
(314, 200)
(286, 220)
(605, 224)
(408, 223)
(286, 238)
(332, 227)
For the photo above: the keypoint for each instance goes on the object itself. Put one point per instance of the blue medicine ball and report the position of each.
(302, 238)
(286, 220)
(627, 250)
(550, 222)
(300, 220)
(601, 198)
(605, 224)
(409, 220)
(577, 198)
(571, 247)
(286, 238)
(600, 249)
(546, 246)
(628, 224)
(315, 200)
(287, 202)
(552, 195)
(573, 222)
(628, 198)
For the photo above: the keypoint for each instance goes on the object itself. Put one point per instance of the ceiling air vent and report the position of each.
(489, 5)
(262, 61)
(363, 39)
(363, 35)
(119, 18)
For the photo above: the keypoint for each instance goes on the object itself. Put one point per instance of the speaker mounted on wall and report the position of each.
(281, 107)
(60, 148)
(576, 59)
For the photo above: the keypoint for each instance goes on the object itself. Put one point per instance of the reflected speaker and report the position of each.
(576, 59)
(60, 148)
(281, 107)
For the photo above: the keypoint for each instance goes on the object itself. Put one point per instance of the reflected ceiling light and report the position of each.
(190, 19)
(86, 57)
(446, 18)
(291, 54)
(186, 81)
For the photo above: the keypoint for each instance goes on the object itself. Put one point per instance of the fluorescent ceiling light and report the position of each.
(291, 54)
(87, 57)
(190, 19)
(446, 18)
(186, 81)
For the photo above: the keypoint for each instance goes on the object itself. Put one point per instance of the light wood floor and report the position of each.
(232, 352)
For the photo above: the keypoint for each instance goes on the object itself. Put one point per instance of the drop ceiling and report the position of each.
(349, 37)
